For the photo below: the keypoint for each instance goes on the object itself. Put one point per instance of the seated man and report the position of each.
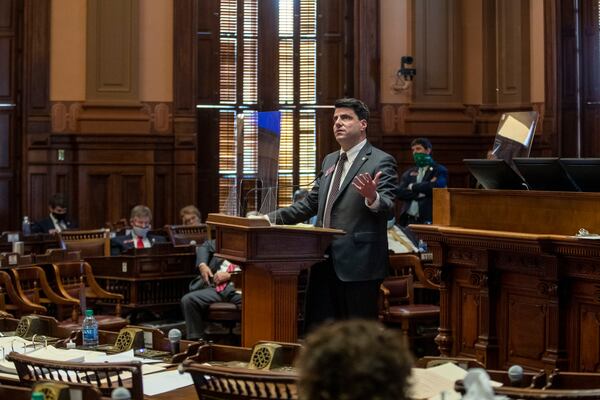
(190, 215)
(57, 220)
(211, 286)
(417, 183)
(354, 360)
(140, 220)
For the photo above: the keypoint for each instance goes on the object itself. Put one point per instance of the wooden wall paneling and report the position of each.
(365, 34)
(10, 63)
(268, 51)
(163, 211)
(7, 126)
(96, 201)
(590, 78)
(513, 53)
(7, 73)
(438, 52)
(331, 65)
(133, 187)
(551, 119)
(39, 192)
(208, 162)
(37, 64)
(112, 64)
(207, 54)
(35, 180)
(183, 191)
(568, 78)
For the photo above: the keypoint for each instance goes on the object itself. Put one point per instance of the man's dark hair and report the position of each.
(354, 360)
(426, 143)
(360, 108)
(58, 200)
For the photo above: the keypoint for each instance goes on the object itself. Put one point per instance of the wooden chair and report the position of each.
(184, 234)
(213, 382)
(220, 382)
(89, 243)
(397, 306)
(33, 288)
(226, 314)
(72, 278)
(103, 376)
(18, 306)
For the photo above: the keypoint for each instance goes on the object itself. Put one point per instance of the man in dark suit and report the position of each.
(417, 183)
(355, 193)
(212, 285)
(140, 220)
(58, 219)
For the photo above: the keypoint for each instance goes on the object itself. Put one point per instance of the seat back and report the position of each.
(184, 234)
(214, 382)
(89, 243)
(103, 376)
(11, 301)
(32, 284)
(73, 277)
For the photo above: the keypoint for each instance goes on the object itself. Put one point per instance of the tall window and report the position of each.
(239, 87)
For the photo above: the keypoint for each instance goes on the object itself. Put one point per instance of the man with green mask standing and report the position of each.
(417, 182)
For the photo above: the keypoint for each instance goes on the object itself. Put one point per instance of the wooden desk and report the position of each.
(153, 279)
(271, 258)
(515, 288)
(34, 244)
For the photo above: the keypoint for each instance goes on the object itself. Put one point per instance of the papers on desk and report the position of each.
(165, 381)
(429, 383)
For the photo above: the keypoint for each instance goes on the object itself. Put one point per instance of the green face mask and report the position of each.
(422, 159)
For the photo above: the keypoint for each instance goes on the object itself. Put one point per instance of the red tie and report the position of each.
(139, 243)
(221, 286)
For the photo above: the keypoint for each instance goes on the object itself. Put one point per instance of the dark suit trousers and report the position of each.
(329, 298)
(195, 304)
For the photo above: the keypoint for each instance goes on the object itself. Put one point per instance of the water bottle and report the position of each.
(26, 226)
(89, 329)
(37, 396)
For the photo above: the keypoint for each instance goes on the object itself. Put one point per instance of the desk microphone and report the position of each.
(174, 338)
(120, 393)
(515, 374)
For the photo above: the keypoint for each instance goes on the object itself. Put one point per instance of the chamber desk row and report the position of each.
(152, 279)
(516, 286)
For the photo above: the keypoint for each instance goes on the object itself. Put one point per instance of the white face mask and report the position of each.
(141, 232)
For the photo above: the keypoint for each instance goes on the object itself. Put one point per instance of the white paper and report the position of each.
(515, 130)
(165, 382)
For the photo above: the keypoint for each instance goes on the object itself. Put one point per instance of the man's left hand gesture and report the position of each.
(366, 186)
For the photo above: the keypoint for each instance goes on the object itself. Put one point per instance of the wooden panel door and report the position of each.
(9, 113)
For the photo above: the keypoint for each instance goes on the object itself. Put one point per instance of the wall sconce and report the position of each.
(405, 75)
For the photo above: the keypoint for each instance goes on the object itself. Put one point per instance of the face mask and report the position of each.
(422, 159)
(141, 232)
(59, 217)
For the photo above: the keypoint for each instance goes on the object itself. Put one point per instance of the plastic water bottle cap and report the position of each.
(89, 313)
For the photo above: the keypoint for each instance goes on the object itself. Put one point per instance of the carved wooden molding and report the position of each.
(67, 117)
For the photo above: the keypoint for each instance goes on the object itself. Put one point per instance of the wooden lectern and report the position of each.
(271, 258)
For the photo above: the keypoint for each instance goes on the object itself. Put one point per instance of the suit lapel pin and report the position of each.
(364, 158)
